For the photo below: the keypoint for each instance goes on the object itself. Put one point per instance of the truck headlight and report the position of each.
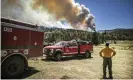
(45, 50)
(52, 50)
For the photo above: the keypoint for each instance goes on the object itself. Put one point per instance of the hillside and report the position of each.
(118, 34)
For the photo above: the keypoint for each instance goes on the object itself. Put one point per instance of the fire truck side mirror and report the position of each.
(67, 45)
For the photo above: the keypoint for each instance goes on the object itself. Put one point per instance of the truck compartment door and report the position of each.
(36, 44)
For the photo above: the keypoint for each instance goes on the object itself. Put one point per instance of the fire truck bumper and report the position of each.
(49, 54)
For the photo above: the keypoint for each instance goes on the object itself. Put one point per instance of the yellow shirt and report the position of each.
(107, 52)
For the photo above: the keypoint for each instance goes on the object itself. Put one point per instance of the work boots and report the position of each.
(110, 77)
(104, 77)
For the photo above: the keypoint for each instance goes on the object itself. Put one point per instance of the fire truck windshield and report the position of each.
(60, 44)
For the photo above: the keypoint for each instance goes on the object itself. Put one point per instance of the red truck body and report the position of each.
(67, 48)
(21, 39)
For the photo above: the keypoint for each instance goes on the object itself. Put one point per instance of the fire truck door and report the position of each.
(36, 44)
(73, 48)
(67, 49)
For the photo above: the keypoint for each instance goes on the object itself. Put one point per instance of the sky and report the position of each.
(110, 14)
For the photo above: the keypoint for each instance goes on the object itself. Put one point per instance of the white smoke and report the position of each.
(22, 11)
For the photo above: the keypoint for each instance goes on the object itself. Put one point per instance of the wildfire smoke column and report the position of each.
(77, 15)
(50, 13)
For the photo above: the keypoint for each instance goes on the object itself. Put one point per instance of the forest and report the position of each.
(97, 37)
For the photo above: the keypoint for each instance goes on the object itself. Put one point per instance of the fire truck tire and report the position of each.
(87, 54)
(57, 56)
(13, 67)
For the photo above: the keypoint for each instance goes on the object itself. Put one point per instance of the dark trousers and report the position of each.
(107, 62)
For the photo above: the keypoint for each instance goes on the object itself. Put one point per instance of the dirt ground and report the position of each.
(80, 68)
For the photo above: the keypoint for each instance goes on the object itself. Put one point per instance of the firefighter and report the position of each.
(107, 54)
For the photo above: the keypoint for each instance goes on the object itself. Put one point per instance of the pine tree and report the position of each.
(95, 40)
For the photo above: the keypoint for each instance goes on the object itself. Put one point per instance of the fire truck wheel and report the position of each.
(87, 54)
(58, 57)
(13, 67)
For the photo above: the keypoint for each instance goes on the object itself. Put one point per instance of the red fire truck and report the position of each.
(68, 48)
(19, 41)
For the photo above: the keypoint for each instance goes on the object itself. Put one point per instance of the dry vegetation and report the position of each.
(80, 68)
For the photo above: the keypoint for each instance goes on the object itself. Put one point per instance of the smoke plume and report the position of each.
(49, 13)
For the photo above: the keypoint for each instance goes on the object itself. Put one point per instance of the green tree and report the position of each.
(95, 38)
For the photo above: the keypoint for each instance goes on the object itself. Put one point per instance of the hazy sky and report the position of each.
(110, 14)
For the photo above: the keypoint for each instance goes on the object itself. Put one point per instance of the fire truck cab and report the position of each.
(19, 41)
